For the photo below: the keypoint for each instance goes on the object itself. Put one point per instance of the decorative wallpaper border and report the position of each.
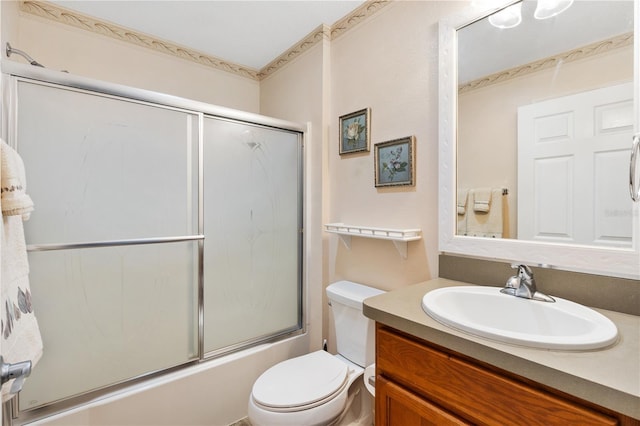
(323, 32)
(65, 16)
(550, 62)
(366, 9)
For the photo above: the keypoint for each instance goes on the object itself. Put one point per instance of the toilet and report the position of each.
(314, 389)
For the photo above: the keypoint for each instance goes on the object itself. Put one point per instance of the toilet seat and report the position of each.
(301, 383)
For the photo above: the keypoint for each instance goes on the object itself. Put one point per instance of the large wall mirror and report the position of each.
(538, 108)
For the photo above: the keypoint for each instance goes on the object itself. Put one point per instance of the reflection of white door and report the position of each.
(573, 162)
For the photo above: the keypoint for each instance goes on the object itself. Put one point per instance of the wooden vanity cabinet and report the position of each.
(418, 383)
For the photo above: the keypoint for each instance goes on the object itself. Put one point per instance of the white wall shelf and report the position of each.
(399, 237)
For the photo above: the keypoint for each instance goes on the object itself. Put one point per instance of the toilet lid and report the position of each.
(300, 381)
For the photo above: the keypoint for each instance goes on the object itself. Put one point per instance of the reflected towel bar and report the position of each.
(113, 243)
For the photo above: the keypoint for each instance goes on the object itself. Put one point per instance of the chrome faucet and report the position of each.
(524, 285)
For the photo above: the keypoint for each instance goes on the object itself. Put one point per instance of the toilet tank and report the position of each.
(355, 333)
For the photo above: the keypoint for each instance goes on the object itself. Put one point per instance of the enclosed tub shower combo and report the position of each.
(166, 232)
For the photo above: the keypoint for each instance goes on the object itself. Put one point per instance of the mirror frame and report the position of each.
(617, 262)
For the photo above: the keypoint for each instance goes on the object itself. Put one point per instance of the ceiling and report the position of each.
(484, 49)
(245, 32)
(252, 33)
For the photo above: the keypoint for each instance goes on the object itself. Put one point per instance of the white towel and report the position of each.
(462, 211)
(462, 201)
(15, 200)
(486, 224)
(20, 333)
(482, 200)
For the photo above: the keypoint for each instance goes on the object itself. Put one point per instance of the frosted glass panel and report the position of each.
(252, 232)
(100, 168)
(110, 314)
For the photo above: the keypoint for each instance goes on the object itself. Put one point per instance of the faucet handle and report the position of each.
(523, 270)
(524, 285)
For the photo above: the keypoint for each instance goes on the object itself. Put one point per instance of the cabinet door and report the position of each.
(396, 406)
(470, 390)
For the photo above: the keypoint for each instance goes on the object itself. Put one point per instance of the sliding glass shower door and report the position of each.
(161, 236)
(108, 178)
(253, 224)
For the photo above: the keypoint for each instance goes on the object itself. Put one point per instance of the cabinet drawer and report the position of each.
(476, 394)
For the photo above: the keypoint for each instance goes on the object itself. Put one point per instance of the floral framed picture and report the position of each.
(354, 131)
(394, 162)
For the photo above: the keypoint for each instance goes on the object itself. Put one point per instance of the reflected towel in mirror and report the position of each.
(482, 200)
(487, 224)
(462, 201)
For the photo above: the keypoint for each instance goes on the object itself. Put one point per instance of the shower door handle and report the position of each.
(634, 181)
(18, 371)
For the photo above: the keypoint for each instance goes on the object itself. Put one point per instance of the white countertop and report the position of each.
(607, 377)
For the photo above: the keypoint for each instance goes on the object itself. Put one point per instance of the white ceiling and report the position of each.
(484, 49)
(249, 33)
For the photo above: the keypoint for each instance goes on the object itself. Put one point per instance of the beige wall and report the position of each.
(298, 93)
(388, 64)
(487, 130)
(63, 47)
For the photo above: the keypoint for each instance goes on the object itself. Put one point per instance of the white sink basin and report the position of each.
(486, 312)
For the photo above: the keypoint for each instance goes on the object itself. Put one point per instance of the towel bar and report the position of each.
(113, 243)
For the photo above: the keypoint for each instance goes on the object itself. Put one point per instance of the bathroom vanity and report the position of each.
(428, 373)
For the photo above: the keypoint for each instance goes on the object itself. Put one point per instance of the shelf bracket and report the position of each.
(401, 246)
(346, 240)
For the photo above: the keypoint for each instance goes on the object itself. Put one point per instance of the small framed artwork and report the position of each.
(394, 162)
(354, 131)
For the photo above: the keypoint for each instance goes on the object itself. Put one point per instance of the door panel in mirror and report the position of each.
(572, 154)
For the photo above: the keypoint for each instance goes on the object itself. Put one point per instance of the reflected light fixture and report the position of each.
(550, 8)
(507, 18)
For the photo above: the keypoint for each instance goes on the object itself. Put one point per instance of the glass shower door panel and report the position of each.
(102, 169)
(252, 211)
(105, 168)
(110, 314)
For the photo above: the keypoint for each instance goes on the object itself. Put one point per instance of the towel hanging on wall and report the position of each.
(15, 200)
(20, 334)
(482, 200)
(463, 196)
(486, 218)
(462, 201)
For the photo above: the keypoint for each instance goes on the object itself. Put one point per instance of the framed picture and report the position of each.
(354, 132)
(394, 162)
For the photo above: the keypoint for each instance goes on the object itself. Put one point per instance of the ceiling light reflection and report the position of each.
(507, 18)
(550, 8)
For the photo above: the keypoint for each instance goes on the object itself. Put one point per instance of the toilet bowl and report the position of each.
(314, 389)
(308, 390)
